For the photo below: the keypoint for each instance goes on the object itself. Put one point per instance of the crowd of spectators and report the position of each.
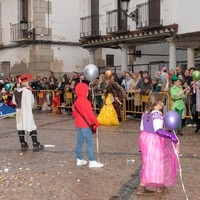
(135, 84)
(139, 85)
(49, 83)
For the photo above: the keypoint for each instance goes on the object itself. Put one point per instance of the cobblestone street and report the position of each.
(53, 174)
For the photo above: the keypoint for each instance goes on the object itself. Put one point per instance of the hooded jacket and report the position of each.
(84, 106)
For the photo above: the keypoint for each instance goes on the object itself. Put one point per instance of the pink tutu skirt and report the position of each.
(159, 161)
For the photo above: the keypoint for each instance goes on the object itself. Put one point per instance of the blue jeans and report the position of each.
(84, 134)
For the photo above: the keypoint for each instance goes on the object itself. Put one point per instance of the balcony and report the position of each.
(22, 31)
(148, 15)
(89, 26)
(116, 22)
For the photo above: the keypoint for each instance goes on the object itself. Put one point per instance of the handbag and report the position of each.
(92, 127)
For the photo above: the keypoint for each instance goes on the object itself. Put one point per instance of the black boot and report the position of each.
(24, 145)
(180, 132)
(183, 122)
(197, 129)
(36, 145)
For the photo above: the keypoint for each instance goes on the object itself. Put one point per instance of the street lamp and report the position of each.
(24, 27)
(24, 24)
(25, 31)
(124, 6)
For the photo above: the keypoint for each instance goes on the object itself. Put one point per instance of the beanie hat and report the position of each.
(25, 78)
(174, 78)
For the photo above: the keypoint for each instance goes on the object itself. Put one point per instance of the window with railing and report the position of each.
(89, 26)
(148, 14)
(22, 31)
(116, 22)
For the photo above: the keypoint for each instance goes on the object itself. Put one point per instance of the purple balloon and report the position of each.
(171, 120)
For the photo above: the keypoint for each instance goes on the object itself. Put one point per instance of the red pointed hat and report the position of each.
(25, 77)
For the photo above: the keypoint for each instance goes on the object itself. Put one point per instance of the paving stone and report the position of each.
(53, 174)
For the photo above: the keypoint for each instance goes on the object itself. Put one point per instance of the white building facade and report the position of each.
(37, 36)
(151, 34)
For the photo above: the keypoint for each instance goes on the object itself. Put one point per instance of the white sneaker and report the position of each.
(95, 164)
(81, 162)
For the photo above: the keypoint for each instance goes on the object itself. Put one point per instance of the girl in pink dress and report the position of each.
(159, 161)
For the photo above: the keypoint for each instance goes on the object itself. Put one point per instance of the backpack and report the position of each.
(121, 93)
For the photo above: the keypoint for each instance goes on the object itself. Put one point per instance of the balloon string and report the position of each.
(180, 169)
(93, 96)
(97, 138)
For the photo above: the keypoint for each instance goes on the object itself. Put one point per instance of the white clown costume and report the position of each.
(24, 101)
(24, 118)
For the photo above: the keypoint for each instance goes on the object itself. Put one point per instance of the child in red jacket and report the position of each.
(82, 105)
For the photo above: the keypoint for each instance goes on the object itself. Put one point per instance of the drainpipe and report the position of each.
(48, 17)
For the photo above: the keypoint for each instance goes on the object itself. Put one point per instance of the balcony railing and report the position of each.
(116, 22)
(22, 31)
(148, 15)
(89, 26)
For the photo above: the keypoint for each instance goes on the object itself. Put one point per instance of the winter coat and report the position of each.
(83, 105)
(136, 95)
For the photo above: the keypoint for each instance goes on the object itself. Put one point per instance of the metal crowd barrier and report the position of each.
(66, 106)
(137, 110)
(137, 106)
(43, 96)
(129, 106)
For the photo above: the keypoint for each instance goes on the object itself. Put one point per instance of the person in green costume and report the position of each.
(177, 96)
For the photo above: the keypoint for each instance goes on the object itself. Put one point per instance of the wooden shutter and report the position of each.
(109, 60)
(95, 17)
(24, 9)
(154, 12)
